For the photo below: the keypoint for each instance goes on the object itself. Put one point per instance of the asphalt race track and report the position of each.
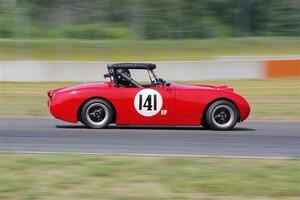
(248, 139)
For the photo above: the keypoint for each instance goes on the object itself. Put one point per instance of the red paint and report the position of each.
(184, 103)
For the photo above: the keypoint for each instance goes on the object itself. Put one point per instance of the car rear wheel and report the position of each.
(222, 115)
(97, 113)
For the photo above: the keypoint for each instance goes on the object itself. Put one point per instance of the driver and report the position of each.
(121, 81)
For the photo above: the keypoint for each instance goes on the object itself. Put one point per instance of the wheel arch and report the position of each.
(203, 119)
(96, 97)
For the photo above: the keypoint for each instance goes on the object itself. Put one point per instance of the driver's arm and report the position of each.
(130, 80)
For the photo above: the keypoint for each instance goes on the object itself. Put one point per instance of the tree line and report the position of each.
(148, 19)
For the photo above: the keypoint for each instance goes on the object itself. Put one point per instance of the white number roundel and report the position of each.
(148, 102)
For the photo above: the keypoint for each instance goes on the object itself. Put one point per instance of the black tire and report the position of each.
(97, 113)
(222, 115)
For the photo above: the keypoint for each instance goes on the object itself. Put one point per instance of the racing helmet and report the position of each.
(121, 80)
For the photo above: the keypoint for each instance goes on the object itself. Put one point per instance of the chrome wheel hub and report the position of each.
(97, 114)
(223, 116)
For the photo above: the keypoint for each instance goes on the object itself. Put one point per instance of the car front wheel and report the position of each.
(222, 115)
(97, 113)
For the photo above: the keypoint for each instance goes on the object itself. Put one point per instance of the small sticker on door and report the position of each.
(148, 102)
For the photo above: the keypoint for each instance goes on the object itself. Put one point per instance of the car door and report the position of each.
(147, 106)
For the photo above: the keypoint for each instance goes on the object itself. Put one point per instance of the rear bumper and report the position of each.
(62, 109)
(49, 102)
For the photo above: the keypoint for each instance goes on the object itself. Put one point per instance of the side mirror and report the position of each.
(168, 84)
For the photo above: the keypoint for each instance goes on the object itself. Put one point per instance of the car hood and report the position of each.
(203, 87)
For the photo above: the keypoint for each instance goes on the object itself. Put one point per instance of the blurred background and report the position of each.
(147, 30)
(251, 45)
(143, 19)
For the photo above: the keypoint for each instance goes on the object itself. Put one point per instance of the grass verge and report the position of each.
(269, 99)
(128, 50)
(65, 176)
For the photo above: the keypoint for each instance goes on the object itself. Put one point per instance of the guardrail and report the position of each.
(169, 70)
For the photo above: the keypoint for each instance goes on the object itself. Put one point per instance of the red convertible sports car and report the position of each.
(124, 100)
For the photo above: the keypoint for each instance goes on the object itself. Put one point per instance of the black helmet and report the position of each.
(121, 80)
(124, 71)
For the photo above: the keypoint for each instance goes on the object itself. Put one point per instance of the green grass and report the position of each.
(65, 176)
(269, 99)
(128, 50)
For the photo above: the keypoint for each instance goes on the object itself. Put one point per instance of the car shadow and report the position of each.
(152, 127)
